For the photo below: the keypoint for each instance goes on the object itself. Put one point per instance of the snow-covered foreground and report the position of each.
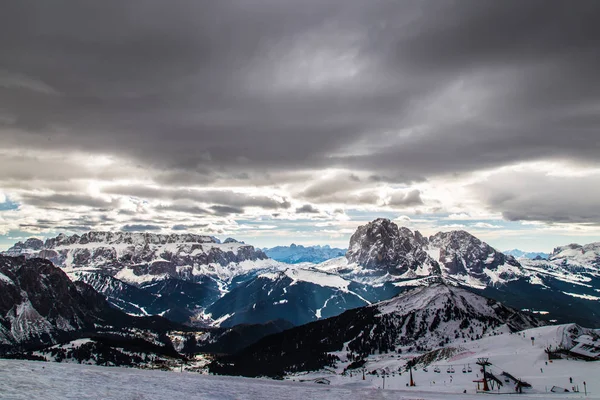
(49, 381)
(513, 353)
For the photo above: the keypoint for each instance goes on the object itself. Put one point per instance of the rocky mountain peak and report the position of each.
(464, 254)
(382, 245)
(31, 244)
(37, 302)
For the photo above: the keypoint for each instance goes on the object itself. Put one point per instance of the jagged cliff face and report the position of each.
(138, 257)
(462, 253)
(38, 302)
(383, 246)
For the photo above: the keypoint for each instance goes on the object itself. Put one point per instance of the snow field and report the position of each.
(24, 380)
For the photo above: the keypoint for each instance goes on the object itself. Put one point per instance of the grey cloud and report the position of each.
(80, 228)
(126, 212)
(222, 197)
(340, 188)
(208, 97)
(226, 210)
(181, 227)
(185, 178)
(57, 200)
(184, 209)
(535, 196)
(406, 198)
(37, 226)
(307, 209)
(325, 188)
(140, 227)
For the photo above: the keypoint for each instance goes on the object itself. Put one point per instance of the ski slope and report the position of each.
(25, 380)
(513, 353)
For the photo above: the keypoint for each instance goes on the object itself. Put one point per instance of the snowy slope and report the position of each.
(298, 295)
(424, 318)
(508, 352)
(25, 380)
(575, 255)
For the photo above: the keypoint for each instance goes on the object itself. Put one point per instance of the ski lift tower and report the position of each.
(484, 363)
(410, 366)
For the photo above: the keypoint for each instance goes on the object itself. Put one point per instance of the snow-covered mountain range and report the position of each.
(296, 295)
(41, 309)
(296, 254)
(565, 287)
(200, 279)
(149, 274)
(526, 254)
(430, 312)
(143, 257)
(419, 319)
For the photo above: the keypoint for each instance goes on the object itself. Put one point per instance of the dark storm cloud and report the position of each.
(194, 86)
(238, 90)
(307, 209)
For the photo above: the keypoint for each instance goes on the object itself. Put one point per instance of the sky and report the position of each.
(280, 121)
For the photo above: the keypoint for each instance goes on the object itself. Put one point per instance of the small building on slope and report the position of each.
(586, 347)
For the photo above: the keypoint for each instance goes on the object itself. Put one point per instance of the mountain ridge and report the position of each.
(382, 260)
(296, 254)
(422, 318)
